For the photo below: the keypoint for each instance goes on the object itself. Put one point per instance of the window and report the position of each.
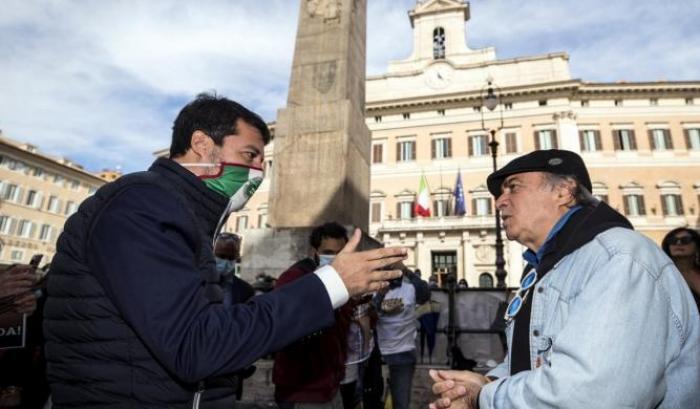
(377, 153)
(486, 280)
(634, 205)
(546, 139)
(16, 255)
(31, 198)
(74, 184)
(444, 262)
(618, 102)
(542, 102)
(262, 220)
(589, 140)
(58, 179)
(405, 210)
(689, 101)
(5, 225)
(653, 102)
(602, 198)
(71, 207)
(38, 172)
(624, 140)
(45, 234)
(477, 109)
(442, 207)
(54, 204)
(508, 106)
(660, 139)
(376, 212)
(441, 112)
(26, 229)
(92, 190)
(692, 139)
(378, 119)
(672, 204)
(482, 206)
(11, 192)
(441, 148)
(406, 151)
(511, 143)
(406, 115)
(241, 223)
(585, 103)
(438, 43)
(478, 145)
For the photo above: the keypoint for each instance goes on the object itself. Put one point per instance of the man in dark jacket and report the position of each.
(134, 316)
(310, 370)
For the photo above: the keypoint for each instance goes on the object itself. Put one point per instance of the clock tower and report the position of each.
(439, 37)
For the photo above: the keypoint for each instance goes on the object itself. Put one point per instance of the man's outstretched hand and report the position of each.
(361, 271)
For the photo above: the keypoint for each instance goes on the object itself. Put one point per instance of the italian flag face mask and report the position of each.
(234, 181)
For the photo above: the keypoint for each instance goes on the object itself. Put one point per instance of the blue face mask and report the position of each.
(224, 266)
(325, 259)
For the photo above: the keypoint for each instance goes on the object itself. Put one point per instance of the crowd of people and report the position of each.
(142, 306)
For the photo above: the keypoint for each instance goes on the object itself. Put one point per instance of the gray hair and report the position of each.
(582, 196)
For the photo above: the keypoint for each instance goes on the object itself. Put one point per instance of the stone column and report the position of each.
(322, 145)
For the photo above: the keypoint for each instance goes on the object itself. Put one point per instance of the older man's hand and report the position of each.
(456, 389)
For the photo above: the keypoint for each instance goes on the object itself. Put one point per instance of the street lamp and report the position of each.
(491, 98)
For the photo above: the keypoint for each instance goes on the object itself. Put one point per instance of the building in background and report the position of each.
(37, 194)
(641, 142)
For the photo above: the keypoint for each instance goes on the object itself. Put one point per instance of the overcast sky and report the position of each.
(101, 81)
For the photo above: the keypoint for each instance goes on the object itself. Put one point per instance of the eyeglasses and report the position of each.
(683, 240)
(517, 302)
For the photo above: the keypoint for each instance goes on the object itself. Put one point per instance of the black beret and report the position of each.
(555, 161)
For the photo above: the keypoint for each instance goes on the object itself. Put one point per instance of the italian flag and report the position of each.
(422, 206)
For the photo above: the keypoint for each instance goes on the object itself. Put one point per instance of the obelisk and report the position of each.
(321, 165)
(322, 145)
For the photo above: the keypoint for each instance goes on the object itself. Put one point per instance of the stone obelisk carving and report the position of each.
(321, 163)
(322, 145)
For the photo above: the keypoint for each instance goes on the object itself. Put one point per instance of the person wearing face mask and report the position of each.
(309, 371)
(227, 252)
(135, 314)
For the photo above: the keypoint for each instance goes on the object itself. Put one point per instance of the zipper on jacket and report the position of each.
(198, 395)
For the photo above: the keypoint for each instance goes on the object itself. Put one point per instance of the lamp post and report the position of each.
(491, 98)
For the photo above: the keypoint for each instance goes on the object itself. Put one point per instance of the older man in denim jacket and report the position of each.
(602, 319)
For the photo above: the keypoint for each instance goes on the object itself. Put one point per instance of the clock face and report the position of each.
(438, 76)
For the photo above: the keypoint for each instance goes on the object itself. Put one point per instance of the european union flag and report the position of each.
(460, 210)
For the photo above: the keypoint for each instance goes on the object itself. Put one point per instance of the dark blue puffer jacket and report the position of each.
(133, 318)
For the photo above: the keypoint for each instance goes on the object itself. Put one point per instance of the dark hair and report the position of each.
(331, 230)
(215, 116)
(666, 242)
(224, 237)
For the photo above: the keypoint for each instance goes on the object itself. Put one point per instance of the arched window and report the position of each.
(486, 280)
(439, 43)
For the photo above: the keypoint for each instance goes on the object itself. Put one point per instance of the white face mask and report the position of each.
(325, 259)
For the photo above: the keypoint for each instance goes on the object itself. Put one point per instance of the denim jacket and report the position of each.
(613, 325)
